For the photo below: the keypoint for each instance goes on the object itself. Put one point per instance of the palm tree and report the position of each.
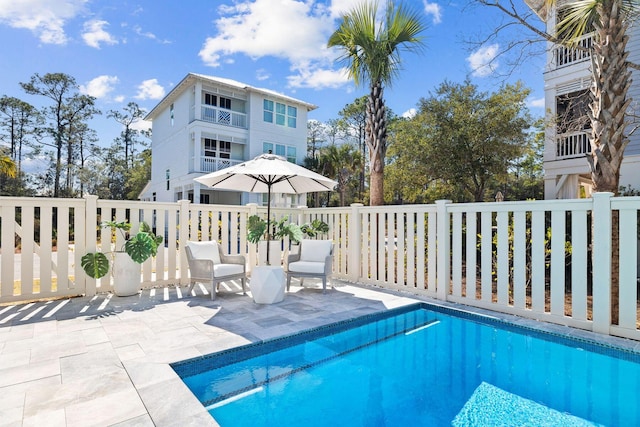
(8, 167)
(611, 79)
(609, 96)
(342, 163)
(371, 49)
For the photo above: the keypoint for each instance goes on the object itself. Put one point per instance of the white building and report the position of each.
(209, 123)
(567, 79)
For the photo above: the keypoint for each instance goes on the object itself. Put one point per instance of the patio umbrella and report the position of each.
(267, 173)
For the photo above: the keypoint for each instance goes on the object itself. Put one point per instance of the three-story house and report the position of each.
(209, 123)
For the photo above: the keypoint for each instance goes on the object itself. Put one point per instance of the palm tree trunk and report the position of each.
(376, 137)
(609, 103)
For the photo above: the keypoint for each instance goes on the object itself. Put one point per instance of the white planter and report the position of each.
(267, 284)
(275, 252)
(126, 275)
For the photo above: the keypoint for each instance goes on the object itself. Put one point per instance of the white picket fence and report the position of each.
(530, 258)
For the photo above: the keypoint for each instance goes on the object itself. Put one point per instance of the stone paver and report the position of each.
(104, 360)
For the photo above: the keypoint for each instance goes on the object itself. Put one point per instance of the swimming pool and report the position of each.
(419, 365)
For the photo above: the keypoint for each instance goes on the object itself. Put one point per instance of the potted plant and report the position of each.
(315, 228)
(257, 233)
(126, 261)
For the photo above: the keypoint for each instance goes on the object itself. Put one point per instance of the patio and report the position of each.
(103, 360)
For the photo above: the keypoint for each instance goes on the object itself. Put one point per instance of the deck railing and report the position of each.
(548, 260)
(224, 117)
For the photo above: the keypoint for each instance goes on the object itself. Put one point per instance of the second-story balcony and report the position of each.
(564, 56)
(223, 117)
(573, 144)
(212, 164)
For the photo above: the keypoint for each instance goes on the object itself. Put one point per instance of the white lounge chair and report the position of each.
(314, 259)
(208, 263)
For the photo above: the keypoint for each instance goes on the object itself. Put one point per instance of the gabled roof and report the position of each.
(191, 78)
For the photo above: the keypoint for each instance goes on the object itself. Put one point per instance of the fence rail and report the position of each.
(548, 260)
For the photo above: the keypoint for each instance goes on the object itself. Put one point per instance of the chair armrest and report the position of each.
(293, 258)
(328, 265)
(201, 268)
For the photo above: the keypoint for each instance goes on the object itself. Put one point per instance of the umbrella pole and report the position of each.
(268, 218)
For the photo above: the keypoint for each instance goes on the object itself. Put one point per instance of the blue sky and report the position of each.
(137, 50)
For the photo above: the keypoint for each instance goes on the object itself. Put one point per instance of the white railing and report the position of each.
(532, 259)
(573, 144)
(564, 56)
(212, 164)
(224, 117)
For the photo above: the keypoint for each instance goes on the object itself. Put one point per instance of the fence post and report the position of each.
(253, 252)
(303, 216)
(354, 243)
(183, 235)
(601, 259)
(443, 242)
(91, 241)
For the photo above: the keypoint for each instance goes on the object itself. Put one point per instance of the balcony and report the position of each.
(564, 56)
(212, 164)
(223, 117)
(573, 144)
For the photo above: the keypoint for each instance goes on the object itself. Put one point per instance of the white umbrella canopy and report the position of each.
(267, 173)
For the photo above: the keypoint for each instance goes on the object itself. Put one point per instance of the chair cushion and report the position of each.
(222, 270)
(315, 250)
(205, 250)
(307, 267)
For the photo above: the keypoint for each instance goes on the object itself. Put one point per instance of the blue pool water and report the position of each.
(421, 365)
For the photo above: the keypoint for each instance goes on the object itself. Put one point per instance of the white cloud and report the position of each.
(309, 77)
(434, 10)
(141, 125)
(119, 98)
(483, 61)
(150, 89)
(262, 74)
(536, 102)
(138, 30)
(94, 34)
(410, 113)
(297, 33)
(100, 87)
(45, 18)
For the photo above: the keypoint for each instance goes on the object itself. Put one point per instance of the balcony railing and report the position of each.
(564, 56)
(212, 164)
(573, 144)
(224, 117)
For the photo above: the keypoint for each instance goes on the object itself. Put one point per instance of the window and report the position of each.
(291, 154)
(204, 199)
(292, 114)
(281, 150)
(572, 112)
(268, 111)
(285, 115)
(210, 99)
(215, 101)
(281, 110)
(209, 147)
(215, 148)
(171, 115)
(225, 102)
(168, 176)
(225, 149)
